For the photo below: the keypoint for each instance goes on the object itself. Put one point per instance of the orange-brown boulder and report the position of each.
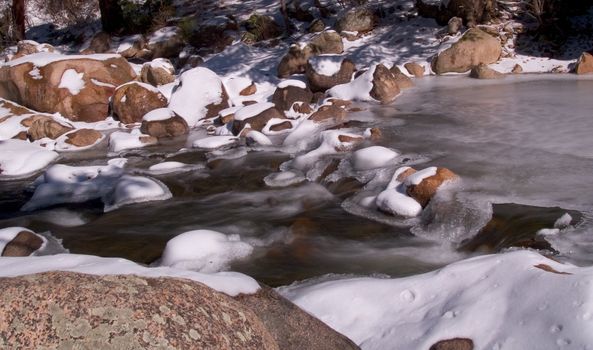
(133, 100)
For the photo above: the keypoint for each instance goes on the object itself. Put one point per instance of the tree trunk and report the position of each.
(111, 16)
(18, 16)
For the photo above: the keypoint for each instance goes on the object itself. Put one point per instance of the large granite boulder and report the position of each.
(475, 47)
(133, 100)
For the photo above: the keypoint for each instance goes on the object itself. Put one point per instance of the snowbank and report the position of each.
(21, 158)
(517, 300)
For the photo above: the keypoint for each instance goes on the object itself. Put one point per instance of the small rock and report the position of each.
(517, 69)
(258, 121)
(385, 87)
(83, 137)
(584, 64)
(454, 344)
(172, 127)
(403, 81)
(248, 91)
(158, 72)
(415, 69)
(100, 43)
(295, 61)
(262, 27)
(454, 25)
(474, 47)
(482, 71)
(287, 125)
(24, 243)
(328, 42)
(46, 127)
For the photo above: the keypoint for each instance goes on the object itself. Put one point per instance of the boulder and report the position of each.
(328, 113)
(427, 188)
(44, 126)
(261, 27)
(256, 115)
(328, 42)
(453, 344)
(482, 71)
(199, 94)
(83, 137)
(100, 43)
(385, 87)
(284, 97)
(79, 311)
(316, 26)
(166, 42)
(474, 47)
(454, 25)
(170, 127)
(291, 327)
(133, 100)
(159, 71)
(415, 69)
(79, 88)
(325, 72)
(360, 20)
(132, 46)
(29, 47)
(24, 243)
(584, 64)
(403, 81)
(295, 61)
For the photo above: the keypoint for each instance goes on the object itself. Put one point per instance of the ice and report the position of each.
(21, 158)
(204, 251)
(231, 283)
(418, 311)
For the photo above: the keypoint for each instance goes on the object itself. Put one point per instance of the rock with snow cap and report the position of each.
(256, 116)
(290, 91)
(28, 47)
(163, 123)
(423, 185)
(326, 71)
(18, 241)
(159, 71)
(133, 100)
(44, 126)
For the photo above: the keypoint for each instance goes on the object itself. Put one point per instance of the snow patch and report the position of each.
(72, 80)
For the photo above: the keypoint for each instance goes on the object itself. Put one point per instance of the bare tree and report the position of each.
(18, 16)
(111, 16)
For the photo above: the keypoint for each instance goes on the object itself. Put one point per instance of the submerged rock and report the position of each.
(473, 48)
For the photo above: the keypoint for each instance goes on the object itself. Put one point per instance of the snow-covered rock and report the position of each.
(21, 158)
(121, 140)
(373, 157)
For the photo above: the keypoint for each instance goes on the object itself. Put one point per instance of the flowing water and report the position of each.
(523, 144)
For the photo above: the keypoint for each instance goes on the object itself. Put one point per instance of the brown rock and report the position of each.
(287, 125)
(248, 91)
(482, 71)
(166, 42)
(295, 61)
(517, 69)
(100, 43)
(328, 113)
(403, 81)
(211, 34)
(285, 97)
(327, 43)
(584, 64)
(291, 327)
(319, 82)
(41, 91)
(303, 108)
(73, 310)
(174, 126)
(21, 136)
(415, 69)
(23, 244)
(46, 127)
(347, 142)
(316, 26)
(454, 25)
(83, 137)
(376, 134)
(473, 48)
(257, 122)
(158, 72)
(360, 20)
(385, 88)
(404, 175)
(340, 103)
(249, 102)
(262, 27)
(454, 344)
(136, 44)
(133, 100)
(425, 190)
(29, 47)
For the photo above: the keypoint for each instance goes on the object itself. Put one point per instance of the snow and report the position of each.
(417, 177)
(395, 201)
(357, 90)
(283, 179)
(252, 110)
(259, 138)
(204, 251)
(21, 158)
(162, 63)
(563, 222)
(12, 125)
(72, 80)
(70, 184)
(499, 301)
(327, 65)
(197, 88)
(214, 142)
(44, 58)
(373, 157)
(230, 283)
(102, 84)
(36, 74)
(167, 166)
(121, 140)
(330, 144)
(158, 114)
(292, 82)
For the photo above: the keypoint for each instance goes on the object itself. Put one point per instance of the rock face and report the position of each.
(454, 344)
(473, 48)
(385, 87)
(320, 82)
(77, 88)
(133, 100)
(360, 20)
(584, 64)
(83, 137)
(291, 327)
(427, 188)
(158, 72)
(257, 121)
(285, 97)
(119, 312)
(174, 126)
(23, 244)
(43, 126)
(415, 69)
(482, 71)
